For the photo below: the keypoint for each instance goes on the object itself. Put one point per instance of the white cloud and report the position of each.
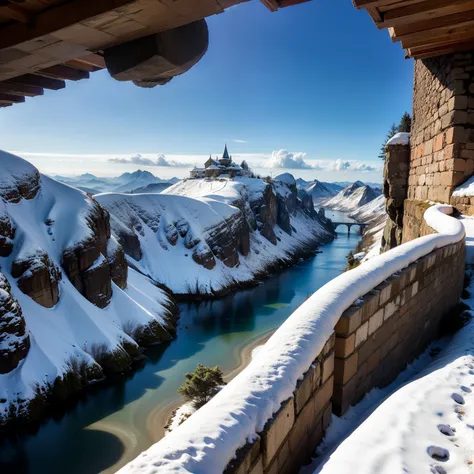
(235, 140)
(138, 159)
(285, 159)
(345, 165)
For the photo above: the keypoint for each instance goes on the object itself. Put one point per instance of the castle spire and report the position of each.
(225, 155)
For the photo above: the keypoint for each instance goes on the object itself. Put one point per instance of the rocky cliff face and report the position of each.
(14, 338)
(203, 237)
(60, 268)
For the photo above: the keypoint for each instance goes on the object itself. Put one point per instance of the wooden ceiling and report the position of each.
(43, 43)
(425, 28)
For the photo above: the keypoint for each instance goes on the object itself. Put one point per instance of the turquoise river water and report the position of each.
(112, 424)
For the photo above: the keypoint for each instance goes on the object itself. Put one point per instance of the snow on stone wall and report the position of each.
(264, 391)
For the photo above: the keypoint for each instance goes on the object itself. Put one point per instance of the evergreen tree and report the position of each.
(201, 385)
(405, 123)
(393, 130)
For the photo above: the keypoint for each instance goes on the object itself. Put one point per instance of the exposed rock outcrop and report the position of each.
(84, 263)
(38, 278)
(14, 338)
(117, 261)
(395, 189)
(7, 233)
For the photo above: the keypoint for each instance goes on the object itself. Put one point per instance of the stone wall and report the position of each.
(395, 187)
(414, 224)
(289, 439)
(442, 135)
(389, 326)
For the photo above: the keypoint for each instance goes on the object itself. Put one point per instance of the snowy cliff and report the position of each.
(70, 309)
(219, 233)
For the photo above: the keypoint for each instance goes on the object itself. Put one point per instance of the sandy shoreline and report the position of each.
(157, 419)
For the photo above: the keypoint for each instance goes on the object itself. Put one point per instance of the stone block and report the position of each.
(376, 321)
(345, 369)
(304, 389)
(327, 367)
(370, 304)
(246, 460)
(345, 345)
(276, 430)
(361, 334)
(390, 309)
(349, 321)
(323, 395)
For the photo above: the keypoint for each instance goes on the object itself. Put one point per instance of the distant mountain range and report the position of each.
(134, 182)
(352, 197)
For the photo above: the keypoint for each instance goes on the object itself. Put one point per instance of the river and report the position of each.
(113, 424)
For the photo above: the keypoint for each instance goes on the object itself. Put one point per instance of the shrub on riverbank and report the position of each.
(201, 385)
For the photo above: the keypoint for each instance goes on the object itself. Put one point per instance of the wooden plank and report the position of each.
(63, 72)
(272, 5)
(290, 3)
(20, 89)
(82, 65)
(11, 99)
(17, 13)
(359, 4)
(434, 33)
(398, 33)
(39, 81)
(422, 53)
(427, 10)
(442, 42)
(56, 18)
(94, 60)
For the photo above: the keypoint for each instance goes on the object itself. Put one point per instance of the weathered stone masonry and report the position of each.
(442, 135)
(374, 340)
(392, 324)
(289, 439)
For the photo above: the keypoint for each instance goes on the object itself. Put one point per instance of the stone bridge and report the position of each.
(349, 225)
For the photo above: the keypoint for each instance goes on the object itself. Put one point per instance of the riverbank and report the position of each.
(155, 419)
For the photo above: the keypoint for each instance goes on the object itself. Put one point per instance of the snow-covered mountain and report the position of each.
(374, 215)
(318, 190)
(70, 308)
(352, 197)
(126, 182)
(205, 236)
(151, 188)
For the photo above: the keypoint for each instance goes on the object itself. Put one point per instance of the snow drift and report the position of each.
(209, 439)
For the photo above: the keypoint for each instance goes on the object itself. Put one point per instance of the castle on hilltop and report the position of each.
(221, 167)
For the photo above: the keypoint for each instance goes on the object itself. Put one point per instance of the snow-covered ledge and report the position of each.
(209, 439)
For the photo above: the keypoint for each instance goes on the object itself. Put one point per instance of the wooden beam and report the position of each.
(11, 99)
(56, 18)
(20, 89)
(81, 65)
(434, 33)
(39, 81)
(63, 72)
(442, 42)
(272, 5)
(427, 10)
(360, 4)
(423, 53)
(290, 3)
(18, 13)
(94, 59)
(440, 36)
(400, 32)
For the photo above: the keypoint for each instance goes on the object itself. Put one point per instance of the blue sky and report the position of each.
(318, 80)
